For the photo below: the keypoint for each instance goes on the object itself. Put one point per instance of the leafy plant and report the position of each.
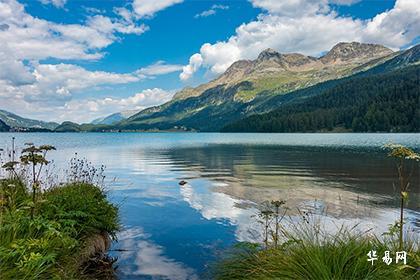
(48, 245)
(402, 154)
(35, 156)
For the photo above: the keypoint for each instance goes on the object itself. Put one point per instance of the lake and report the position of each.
(176, 232)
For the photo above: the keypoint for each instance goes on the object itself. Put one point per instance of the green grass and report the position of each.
(48, 246)
(308, 255)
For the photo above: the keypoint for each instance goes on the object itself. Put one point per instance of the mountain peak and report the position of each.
(268, 54)
(345, 51)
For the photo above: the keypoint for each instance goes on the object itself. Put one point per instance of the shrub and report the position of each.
(48, 244)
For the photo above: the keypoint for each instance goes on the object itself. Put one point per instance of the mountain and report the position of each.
(252, 86)
(4, 127)
(68, 127)
(408, 57)
(385, 102)
(16, 121)
(286, 72)
(115, 118)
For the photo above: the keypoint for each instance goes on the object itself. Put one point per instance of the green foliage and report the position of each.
(403, 155)
(39, 248)
(382, 102)
(82, 208)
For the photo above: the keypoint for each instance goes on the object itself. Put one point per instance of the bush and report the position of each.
(82, 207)
(47, 245)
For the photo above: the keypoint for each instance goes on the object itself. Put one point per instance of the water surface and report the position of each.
(176, 232)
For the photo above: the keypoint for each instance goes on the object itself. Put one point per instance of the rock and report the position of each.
(182, 182)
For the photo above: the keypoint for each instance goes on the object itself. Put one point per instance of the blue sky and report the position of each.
(79, 60)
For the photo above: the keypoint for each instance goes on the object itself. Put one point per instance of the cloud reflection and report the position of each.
(145, 258)
(216, 205)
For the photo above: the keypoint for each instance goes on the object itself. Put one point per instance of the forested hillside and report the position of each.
(3, 127)
(387, 102)
(16, 121)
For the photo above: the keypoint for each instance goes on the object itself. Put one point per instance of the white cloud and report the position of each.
(40, 89)
(195, 63)
(344, 2)
(159, 68)
(148, 8)
(396, 27)
(292, 7)
(46, 90)
(14, 71)
(287, 29)
(71, 78)
(92, 10)
(53, 91)
(299, 7)
(50, 85)
(34, 38)
(56, 3)
(211, 11)
(60, 105)
(82, 110)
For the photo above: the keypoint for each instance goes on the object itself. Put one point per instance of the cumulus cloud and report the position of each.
(292, 8)
(81, 110)
(396, 27)
(57, 88)
(35, 38)
(148, 8)
(211, 11)
(196, 61)
(159, 68)
(48, 85)
(46, 90)
(61, 105)
(309, 27)
(14, 71)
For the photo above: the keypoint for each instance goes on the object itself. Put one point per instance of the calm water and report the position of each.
(175, 232)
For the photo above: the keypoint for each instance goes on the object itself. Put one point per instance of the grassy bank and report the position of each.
(50, 244)
(315, 256)
(44, 233)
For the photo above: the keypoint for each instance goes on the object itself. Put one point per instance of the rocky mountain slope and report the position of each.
(248, 86)
(286, 72)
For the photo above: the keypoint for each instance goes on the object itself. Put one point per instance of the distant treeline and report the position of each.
(387, 102)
